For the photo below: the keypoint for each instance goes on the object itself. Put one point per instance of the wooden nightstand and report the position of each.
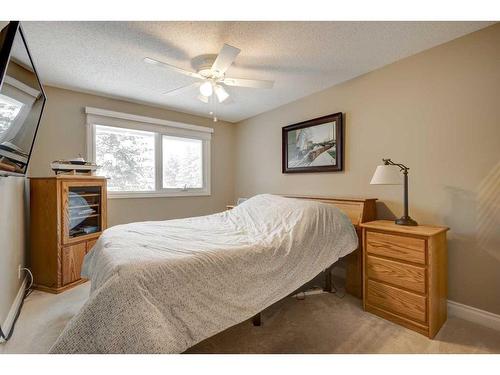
(405, 274)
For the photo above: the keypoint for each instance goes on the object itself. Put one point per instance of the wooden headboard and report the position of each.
(359, 210)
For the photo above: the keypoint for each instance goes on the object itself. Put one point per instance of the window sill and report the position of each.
(132, 195)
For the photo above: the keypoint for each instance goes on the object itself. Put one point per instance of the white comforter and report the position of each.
(163, 286)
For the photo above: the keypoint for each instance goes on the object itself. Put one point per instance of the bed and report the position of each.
(162, 287)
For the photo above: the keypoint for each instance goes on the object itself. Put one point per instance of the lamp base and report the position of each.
(406, 220)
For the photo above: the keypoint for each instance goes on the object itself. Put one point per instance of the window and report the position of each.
(182, 163)
(127, 157)
(145, 157)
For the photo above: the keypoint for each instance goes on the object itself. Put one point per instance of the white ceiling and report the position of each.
(301, 57)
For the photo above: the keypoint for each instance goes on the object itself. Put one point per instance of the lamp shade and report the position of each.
(386, 175)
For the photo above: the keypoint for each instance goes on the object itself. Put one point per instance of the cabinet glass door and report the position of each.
(83, 211)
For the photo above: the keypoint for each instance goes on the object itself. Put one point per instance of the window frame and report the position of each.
(25, 95)
(159, 127)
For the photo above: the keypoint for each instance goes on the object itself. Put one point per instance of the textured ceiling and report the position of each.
(301, 57)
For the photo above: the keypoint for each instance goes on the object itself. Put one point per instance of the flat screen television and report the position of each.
(22, 100)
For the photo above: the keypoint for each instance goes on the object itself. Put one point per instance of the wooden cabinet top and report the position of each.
(69, 177)
(391, 226)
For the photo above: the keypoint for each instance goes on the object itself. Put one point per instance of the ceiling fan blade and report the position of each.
(178, 90)
(172, 68)
(253, 83)
(225, 58)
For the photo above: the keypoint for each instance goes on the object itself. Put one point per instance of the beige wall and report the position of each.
(12, 240)
(62, 134)
(437, 112)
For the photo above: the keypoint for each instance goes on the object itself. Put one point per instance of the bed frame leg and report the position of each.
(328, 279)
(256, 320)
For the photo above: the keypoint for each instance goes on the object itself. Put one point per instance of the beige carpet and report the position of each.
(319, 324)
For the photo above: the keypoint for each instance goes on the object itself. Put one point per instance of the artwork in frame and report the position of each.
(314, 146)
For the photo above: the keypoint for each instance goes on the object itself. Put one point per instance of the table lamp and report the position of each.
(387, 174)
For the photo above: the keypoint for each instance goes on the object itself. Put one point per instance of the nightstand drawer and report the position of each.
(400, 274)
(396, 300)
(408, 249)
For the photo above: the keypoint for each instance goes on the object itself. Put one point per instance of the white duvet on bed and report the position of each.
(163, 286)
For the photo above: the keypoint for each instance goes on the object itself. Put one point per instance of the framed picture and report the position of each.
(314, 146)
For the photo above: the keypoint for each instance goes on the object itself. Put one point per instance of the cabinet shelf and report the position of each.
(84, 206)
(86, 195)
(83, 216)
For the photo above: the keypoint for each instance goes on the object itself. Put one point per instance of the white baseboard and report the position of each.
(9, 320)
(473, 314)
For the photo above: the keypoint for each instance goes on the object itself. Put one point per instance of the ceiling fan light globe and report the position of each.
(221, 93)
(206, 89)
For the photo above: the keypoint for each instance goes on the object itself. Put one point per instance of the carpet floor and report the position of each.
(323, 323)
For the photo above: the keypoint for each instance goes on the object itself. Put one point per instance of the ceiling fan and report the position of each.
(211, 73)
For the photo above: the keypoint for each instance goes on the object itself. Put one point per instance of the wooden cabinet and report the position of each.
(72, 260)
(405, 274)
(67, 215)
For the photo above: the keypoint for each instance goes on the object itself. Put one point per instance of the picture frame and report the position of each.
(315, 145)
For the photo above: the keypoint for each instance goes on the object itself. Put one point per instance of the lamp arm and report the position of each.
(402, 167)
(406, 219)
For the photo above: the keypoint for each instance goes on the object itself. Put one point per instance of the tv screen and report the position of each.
(21, 101)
